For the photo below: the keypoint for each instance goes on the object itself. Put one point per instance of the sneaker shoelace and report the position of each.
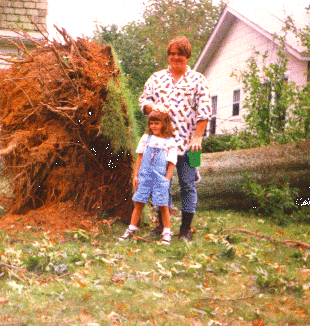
(166, 237)
(127, 234)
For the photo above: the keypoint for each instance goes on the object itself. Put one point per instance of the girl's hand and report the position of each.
(135, 182)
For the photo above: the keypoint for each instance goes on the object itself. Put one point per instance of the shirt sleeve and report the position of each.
(147, 97)
(142, 144)
(172, 152)
(203, 100)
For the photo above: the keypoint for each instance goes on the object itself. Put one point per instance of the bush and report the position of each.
(225, 142)
(216, 143)
(244, 139)
(272, 201)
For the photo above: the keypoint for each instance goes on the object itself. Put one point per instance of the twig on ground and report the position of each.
(271, 239)
(11, 267)
(22, 277)
(231, 299)
(162, 290)
(50, 279)
(114, 221)
(136, 237)
(21, 240)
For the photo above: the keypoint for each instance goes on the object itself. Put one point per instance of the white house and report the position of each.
(235, 38)
(14, 15)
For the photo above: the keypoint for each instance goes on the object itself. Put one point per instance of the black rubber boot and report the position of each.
(185, 229)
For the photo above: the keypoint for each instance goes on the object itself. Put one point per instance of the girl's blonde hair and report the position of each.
(164, 118)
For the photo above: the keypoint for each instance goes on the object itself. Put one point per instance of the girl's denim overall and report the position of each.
(152, 177)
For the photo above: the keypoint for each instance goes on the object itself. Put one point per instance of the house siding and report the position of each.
(223, 72)
(14, 14)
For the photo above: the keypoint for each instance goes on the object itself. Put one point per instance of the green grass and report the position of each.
(221, 278)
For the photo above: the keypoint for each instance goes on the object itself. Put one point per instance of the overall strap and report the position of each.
(148, 139)
(165, 143)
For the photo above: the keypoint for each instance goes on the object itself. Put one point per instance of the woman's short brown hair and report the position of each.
(164, 118)
(183, 45)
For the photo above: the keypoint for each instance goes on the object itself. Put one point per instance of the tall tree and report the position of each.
(166, 19)
(130, 44)
(141, 46)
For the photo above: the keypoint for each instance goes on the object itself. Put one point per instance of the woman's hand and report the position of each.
(160, 108)
(195, 144)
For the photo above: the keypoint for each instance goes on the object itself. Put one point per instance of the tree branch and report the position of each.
(271, 239)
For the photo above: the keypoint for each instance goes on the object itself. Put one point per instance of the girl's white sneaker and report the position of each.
(127, 234)
(166, 238)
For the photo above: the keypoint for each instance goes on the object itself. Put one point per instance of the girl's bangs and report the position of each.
(154, 119)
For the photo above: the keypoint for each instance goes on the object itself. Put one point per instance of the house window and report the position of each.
(214, 111)
(236, 102)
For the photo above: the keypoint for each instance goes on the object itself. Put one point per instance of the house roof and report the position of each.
(260, 19)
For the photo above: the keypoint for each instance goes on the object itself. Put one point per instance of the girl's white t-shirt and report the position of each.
(170, 149)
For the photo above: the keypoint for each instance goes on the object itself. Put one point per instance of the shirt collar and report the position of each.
(188, 69)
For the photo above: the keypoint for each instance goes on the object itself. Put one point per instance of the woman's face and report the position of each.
(177, 62)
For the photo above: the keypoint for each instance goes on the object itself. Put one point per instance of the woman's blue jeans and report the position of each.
(186, 175)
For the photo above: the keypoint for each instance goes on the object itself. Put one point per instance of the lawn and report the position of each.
(238, 270)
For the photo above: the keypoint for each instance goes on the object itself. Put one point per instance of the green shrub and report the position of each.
(303, 214)
(271, 201)
(216, 143)
(244, 139)
(225, 142)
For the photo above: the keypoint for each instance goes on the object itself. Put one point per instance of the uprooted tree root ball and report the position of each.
(65, 129)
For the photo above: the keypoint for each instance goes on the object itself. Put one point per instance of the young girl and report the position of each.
(157, 156)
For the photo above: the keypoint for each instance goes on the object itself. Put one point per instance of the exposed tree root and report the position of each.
(53, 141)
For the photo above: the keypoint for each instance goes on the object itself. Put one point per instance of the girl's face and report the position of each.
(156, 127)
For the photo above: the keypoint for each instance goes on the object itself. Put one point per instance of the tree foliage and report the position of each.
(130, 44)
(167, 19)
(141, 46)
(278, 110)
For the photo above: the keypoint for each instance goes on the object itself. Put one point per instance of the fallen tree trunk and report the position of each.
(223, 174)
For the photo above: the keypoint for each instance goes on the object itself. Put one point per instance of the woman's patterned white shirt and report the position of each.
(188, 101)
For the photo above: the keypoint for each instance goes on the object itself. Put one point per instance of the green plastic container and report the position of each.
(194, 158)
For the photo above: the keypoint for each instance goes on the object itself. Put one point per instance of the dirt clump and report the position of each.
(57, 140)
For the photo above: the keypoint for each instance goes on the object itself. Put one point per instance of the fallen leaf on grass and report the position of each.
(85, 316)
(196, 322)
(4, 300)
(158, 295)
(116, 318)
(258, 323)
(86, 295)
(18, 287)
(83, 285)
(305, 272)
(117, 279)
